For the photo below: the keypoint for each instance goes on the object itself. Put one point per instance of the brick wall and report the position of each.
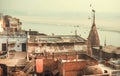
(73, 68)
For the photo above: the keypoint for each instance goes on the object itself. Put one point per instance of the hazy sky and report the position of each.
(106, 6)
(107, 11)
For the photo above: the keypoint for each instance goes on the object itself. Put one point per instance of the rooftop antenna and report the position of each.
(76, 32)
(105, 41)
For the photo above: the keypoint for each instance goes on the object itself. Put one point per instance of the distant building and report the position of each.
(106, 52)
(11, 24)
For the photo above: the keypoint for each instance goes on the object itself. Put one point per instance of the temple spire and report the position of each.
(93, 38)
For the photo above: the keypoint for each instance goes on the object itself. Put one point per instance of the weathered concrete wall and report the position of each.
(17, 40)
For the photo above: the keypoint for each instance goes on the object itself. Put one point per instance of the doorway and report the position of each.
(4, 47)
(24, 47)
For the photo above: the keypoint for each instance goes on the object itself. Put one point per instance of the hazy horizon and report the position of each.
(44, 15)
(64, 12)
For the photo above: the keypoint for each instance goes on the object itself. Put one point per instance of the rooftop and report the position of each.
(110, 49)
(57, 39)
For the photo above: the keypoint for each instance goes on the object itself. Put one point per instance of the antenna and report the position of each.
(105, 41)
(75, 32)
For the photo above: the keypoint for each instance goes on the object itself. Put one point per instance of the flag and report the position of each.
(90, 5)
(93, 10)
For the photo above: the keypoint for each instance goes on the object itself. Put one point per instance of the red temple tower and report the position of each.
(93, 38)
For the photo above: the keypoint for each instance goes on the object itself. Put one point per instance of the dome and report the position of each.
(91, 70)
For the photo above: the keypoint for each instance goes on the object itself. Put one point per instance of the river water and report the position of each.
(111, 37)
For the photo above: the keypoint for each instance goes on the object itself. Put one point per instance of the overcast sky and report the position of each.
(105, 9)
(106, 6)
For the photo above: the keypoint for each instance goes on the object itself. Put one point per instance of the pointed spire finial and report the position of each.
(93, 17)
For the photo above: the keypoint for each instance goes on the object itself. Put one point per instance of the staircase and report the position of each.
(29, 67)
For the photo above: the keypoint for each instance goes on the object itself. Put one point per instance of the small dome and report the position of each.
(90, 70)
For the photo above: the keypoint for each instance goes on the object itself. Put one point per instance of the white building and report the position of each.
(12, 38)
(15, 43)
